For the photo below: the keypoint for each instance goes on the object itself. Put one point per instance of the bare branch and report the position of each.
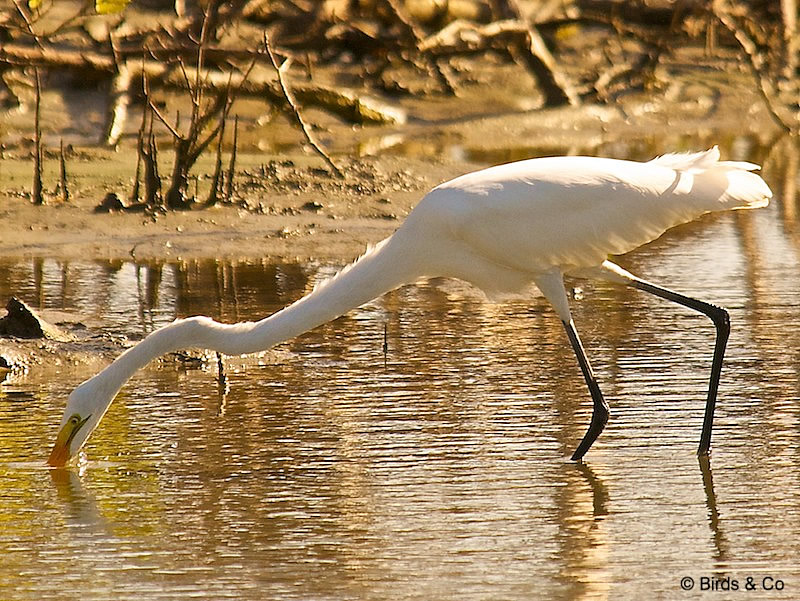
(28, 24)
(62, 173)
(163, 119)
(232, 163)
(37, 192)
(296, 111)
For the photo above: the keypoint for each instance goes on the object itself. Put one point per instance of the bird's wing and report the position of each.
(573, 212)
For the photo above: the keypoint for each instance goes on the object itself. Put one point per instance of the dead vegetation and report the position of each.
(215, 51)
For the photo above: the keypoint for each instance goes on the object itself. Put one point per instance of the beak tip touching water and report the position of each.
(58, 456)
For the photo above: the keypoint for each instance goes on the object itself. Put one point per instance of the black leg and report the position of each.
(600, 410)
(722, 322)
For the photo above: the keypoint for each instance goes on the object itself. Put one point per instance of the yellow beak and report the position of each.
(61, 453)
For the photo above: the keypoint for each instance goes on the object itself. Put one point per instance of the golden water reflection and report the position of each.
(327, 471)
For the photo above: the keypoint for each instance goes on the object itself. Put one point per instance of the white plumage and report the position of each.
(572, 212)
(501, 229)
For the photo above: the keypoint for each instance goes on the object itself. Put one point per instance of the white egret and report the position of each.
(502, 229)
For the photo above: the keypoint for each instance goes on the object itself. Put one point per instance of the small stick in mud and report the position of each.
(62, 173)
(139, 154)
(36, 194)
(152, 181)
(216, 184)
(140, 141)
(232, 164)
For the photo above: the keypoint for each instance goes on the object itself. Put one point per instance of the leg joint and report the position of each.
(720, 317)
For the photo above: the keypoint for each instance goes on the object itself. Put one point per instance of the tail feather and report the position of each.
(743, 190)
(692, 162)
(695, 162)
(746, 191)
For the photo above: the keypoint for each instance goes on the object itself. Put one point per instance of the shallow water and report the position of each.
(327, 470)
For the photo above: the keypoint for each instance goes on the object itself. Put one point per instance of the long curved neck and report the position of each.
(383, 268)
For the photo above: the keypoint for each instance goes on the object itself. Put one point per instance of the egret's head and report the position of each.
(85, 407)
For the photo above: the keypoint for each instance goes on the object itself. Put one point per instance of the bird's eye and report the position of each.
(75, 419)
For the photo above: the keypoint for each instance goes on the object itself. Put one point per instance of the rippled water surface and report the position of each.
(328, 470)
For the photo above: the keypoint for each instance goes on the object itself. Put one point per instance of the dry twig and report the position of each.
(36, 193)
(214, 191)
(62, 173)
(232, 164)
(295, 110)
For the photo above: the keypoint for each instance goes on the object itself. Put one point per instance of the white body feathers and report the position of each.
(499, 227)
